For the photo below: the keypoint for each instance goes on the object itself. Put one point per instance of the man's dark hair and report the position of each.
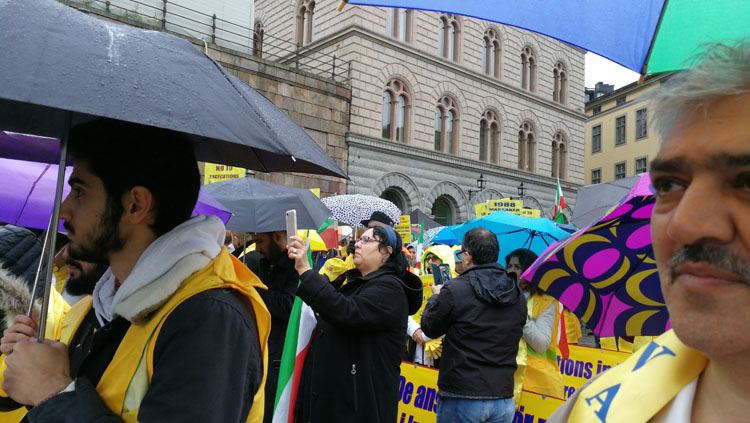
(525, 256)
(482, 245)
(125, 155)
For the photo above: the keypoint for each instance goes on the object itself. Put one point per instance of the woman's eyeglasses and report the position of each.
(364, 239)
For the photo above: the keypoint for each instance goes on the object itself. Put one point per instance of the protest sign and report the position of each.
(404, 228)
(216, 173)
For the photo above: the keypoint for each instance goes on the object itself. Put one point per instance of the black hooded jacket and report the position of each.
(351, 373)
(482, 314)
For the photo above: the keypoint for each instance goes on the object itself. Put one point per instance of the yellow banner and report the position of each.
(427, 281)
(531, 213)
(418, 384)
(511, 206)
(417, 394)
(316, 191)
(480, 210)
(404, 228)
(216, 173)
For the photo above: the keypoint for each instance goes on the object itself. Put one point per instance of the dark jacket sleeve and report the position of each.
(279, 297)
(81, 406)
(437, 314)
(374, 308)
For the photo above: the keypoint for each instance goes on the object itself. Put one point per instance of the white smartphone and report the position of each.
(291, 225)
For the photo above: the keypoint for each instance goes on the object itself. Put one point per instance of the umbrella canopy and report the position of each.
(659, 33)
(606, 274)
(354, 208)
(417, 216)
(29, 194)
(595, 200)
(512, 231)
(260, 206)
(59, 63)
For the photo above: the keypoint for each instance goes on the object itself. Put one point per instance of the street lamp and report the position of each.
(481, 184)
(521, 191)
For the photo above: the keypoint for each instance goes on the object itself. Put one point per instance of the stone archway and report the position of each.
(401, 185)
(453, 193)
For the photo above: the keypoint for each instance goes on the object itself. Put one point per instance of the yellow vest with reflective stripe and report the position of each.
(125, 381)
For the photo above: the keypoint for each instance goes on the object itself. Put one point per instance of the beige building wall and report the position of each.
(604, 113)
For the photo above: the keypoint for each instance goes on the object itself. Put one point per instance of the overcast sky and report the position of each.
(599, 69)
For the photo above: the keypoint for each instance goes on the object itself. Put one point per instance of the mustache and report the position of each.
(718, 256)
(74, 263)
(68, 226)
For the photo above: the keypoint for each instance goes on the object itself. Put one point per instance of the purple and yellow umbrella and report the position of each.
(606, 274)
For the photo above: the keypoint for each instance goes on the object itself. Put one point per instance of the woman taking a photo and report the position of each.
(351, 372)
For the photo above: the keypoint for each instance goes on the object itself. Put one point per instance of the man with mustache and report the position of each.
(175, 330)
(82, 279)
(700, 370)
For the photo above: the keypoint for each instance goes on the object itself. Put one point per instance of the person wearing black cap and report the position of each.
(378, 218)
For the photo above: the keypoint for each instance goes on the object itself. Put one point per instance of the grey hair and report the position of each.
(721, 70)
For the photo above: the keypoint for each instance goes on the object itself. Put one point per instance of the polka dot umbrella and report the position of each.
(354, 208)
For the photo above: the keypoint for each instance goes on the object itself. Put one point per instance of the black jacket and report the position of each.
(282, 280)
(482, 314)
(20, 251)
(351, 373)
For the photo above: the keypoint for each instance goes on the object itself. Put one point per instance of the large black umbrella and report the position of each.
(260, 206)
(56, 60)
(60, 67)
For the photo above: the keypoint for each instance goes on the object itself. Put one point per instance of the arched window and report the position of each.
(399, 24)
(528, 69)
(560, 93)
(491, 57)
(489, 129)
(442, 211)
(396, 104)
(449, 37)
(394, 197)
(526, 147)
(258, 33)
(559, 156)
(446, 125)
(305, 22)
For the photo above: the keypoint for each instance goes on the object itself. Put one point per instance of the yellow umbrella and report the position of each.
(316, 242)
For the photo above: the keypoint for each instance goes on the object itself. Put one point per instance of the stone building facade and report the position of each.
(414, 71)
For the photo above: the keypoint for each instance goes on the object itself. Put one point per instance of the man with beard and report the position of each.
(159, 340)
(699, 370)
(82, 277)
(272, 264)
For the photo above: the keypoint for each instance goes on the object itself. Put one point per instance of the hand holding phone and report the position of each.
(291, 225)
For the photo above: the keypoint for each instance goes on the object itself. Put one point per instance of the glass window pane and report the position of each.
(485, 64)
(493, 144)
(441, 38)
(483, 140)
(452, 42)
(491, 70)
(402, 24)
(386, 115)
(400, 110)
(391, 22)
(438, 128)
(449, 133)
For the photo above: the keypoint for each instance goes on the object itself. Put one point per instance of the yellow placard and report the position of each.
(216, 173)
(480, 209)
(535, 408)
(417, 394)
(426, 293)
(531, 213)
(511, 206)
(584, 363)
(316, 191)
(404, 228)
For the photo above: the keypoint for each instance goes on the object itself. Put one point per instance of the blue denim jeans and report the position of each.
(457, 410)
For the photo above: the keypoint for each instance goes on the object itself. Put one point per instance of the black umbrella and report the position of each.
(57, 60)
(260, 206)
(417, 216)
(60, 67)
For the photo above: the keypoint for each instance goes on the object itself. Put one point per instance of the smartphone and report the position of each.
(291, 225)
(445, 272)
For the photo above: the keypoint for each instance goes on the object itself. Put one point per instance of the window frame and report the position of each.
(599, 173)
(599, 135)
(624, 128)
(645, 167)
(624, 165)
(645, 125)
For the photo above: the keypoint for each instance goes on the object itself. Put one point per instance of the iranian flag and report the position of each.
(559, 204)
(299, 334)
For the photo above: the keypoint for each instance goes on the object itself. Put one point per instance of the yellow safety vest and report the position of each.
(127, 377)
(542, 371)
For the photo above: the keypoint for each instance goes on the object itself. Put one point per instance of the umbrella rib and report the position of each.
(31, 191)
(644, 69)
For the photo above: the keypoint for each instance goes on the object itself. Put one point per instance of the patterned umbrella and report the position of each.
(606, 274)
(354, 208)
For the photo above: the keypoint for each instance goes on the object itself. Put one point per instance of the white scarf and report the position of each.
(160, 270)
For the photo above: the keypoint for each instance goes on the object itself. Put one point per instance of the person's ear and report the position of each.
(138, 203)
(279, 238)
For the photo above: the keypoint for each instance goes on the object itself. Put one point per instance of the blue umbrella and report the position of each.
(513, 231)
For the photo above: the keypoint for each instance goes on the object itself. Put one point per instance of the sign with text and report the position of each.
(417, 394)
(511, 206)
(216, 173)
(404, 228)
(531, 213)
